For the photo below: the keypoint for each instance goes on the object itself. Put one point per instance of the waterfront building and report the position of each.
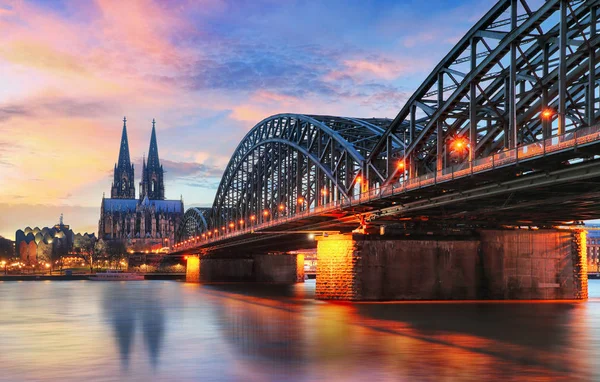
(44, 244)
(593, 251)
(148, 222)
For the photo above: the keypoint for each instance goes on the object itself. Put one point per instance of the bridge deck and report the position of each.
(541, 172)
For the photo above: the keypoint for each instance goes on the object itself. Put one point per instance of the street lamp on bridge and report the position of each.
(301, 201)
(548, 114)
(460, 144)
(324, 193)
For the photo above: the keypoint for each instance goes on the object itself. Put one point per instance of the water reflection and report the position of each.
(162, 331)
(126, 308)
(260, 328)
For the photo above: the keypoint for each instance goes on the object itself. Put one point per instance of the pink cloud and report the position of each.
(419, 38)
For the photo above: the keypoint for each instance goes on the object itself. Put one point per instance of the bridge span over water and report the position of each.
(504, 133)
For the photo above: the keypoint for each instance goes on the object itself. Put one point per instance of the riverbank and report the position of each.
(79, 277)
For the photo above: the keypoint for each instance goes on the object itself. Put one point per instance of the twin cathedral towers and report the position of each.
(145, 223)
(152, 184)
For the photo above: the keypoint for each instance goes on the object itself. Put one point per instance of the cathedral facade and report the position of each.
(145, 223)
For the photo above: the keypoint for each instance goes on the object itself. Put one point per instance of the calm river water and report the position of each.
(166, 331)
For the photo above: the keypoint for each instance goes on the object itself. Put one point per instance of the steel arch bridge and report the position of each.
(290, 163)
(520, 76)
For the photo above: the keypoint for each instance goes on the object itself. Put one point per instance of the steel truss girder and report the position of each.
(546, 58)
(290, 162)
(193, 224)
(490, 88)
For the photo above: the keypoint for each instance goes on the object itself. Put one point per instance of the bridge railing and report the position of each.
(547, 146)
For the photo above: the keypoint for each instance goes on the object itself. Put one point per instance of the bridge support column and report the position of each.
(192, 270)
(489, 264)
(266, 268)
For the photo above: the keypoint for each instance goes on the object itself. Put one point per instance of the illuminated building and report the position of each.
(35, 245)
(593, 251)
(149, 221)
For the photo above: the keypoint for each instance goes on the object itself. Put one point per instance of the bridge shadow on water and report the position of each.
(531, 333)
(282, 325)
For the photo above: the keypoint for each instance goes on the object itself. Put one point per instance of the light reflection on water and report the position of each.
(161, 330)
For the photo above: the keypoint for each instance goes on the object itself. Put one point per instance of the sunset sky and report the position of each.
(207, 71)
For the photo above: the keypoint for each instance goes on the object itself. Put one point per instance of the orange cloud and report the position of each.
(380, 69)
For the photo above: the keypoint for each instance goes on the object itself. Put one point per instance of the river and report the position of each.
(165, 331)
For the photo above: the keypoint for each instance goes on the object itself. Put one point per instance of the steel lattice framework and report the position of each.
(291, 162)
(515, 66)
(194, 223)
(493, 85)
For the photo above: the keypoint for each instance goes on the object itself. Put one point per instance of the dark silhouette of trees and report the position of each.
(115, 251)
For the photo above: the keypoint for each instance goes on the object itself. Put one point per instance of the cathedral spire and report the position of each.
(123, 184)
(124, 161)
(152, 184)
(153, 161)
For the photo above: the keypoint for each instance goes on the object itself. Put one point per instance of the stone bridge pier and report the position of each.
(490, 264)
(229, 267)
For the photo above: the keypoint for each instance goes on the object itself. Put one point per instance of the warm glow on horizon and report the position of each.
(72, 70)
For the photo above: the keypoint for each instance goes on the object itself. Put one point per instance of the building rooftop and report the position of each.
(127, 205)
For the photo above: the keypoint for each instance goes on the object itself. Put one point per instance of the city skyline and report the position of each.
(206, 72)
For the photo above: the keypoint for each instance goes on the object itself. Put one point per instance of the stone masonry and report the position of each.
(492, 264)
(192, 270)
(267, 268)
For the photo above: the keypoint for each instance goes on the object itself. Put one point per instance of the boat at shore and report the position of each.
(115, 275)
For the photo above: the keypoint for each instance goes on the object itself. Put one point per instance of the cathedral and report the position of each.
(148, 222)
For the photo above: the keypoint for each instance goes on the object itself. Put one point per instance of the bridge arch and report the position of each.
(193, 224)
(288, 163)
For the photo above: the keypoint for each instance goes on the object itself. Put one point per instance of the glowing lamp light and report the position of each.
(266, 212)
(547, 113)
(241, 221)
(324, 192)
(281, 207)
(253, 218)
(459, 144)
(223, 228)
(231, 225)
(359, 180)
(401, 164)
(300, 200)
(311, 236)
(210, 234)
